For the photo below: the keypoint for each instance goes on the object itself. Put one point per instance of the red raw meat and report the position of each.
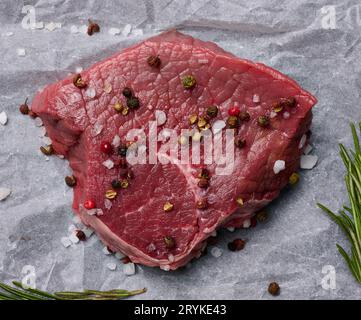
(136, 223)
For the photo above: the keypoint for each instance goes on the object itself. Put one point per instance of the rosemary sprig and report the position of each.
(18, 292)
(349, 218)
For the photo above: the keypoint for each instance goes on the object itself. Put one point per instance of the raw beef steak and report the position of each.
(161, 214)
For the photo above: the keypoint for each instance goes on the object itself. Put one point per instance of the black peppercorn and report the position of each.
(127, 92)
(122, 151)
(133, 103)
(116, 184)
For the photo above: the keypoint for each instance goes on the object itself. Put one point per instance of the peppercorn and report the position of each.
(92, 28)
(294, 178)
(240, 201)
(202, 204)
(274, 288)
(110, 194)
(118, 107)
(204, 173)
(127, 92)
(154, 61)
(244, 116)
(124, 183)
(78, 81)
(236, 245)
(203, 183)
(202, 122)
(116, 184)
(24, 108)
(89, 204)
(48, 150)
(106, 147)
(239, 142)
(80, 235)
(70, 181)
(233, 122)
(189, 82)
(169, 242)
(133, 103)
(122, 150)
(289, 102)
(234, 111)
(263, 121)
(193, 119)
(261, 216)
(212, 111)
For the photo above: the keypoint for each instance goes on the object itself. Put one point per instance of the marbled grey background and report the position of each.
(297, 241)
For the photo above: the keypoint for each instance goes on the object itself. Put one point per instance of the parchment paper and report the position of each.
(297, 241)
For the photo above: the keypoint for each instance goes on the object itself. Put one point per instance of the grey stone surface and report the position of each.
(297, 241)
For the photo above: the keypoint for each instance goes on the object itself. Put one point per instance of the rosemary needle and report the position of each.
(20, 293)
(349, 218)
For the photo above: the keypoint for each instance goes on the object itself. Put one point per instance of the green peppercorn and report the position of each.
(233, 121)
(133, 102)
(263, 121)
(189, 82)
(212, 111)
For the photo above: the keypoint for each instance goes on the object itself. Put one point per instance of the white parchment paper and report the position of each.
(297, 241)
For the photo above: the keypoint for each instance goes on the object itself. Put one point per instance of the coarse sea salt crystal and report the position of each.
(107, 204)
(73, 238)
(307, 149)
(38, 122)
(91, 212)
(50, 26)
(111, 266)
(126, 30)
(21, 52)
(137, 32)
(71, 228)
(90, 92)
(214, 233)
(160, 117)
(217, 126)
(273, 114)
(278, 166)
(302, 142)
(88, 232)
(129, 269)
(256, 98)
(98, 128)
(286, 115)
(216, 252)
(3, 118)
(151, 247)
(66, 242)
(170, 258)
(114, 31)
(109, 164)
(165, 268)
(106, 251)
(74, 29)
(4, 193)
(99, 212)
(119, 255)
(246, 223)
(308, 161)
(116, 141)
(231, 229)
(78, 69)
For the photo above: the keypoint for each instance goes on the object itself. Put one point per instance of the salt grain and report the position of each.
(38, 122)
(151, 247)
(4, 193)
(129, 269)
(170, 258)
(278, 166)
(99, 212)
(71, 228)
(116, 141)
(307, 149)
(90, 93)
(160, 117)
(91, 212)
(88, 232)
(137, 32)
(73, 238)
(231, 229)
(114, 31)
(108, 87)
(111, 266)
(109, 164)
(256, 98)
(119, 255)
(106, 251)
(46, 140)
(302, 142)
(126, 30)
(273, 114)
(98, 128)
(247, 223)
(286, 115)
(21, 52)
(165, 268)
(3, 118)
(66, 242)
(107, 204)
(78, 69)
(308, 161)
(216, 252)
(74, 29)
(50, 26)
